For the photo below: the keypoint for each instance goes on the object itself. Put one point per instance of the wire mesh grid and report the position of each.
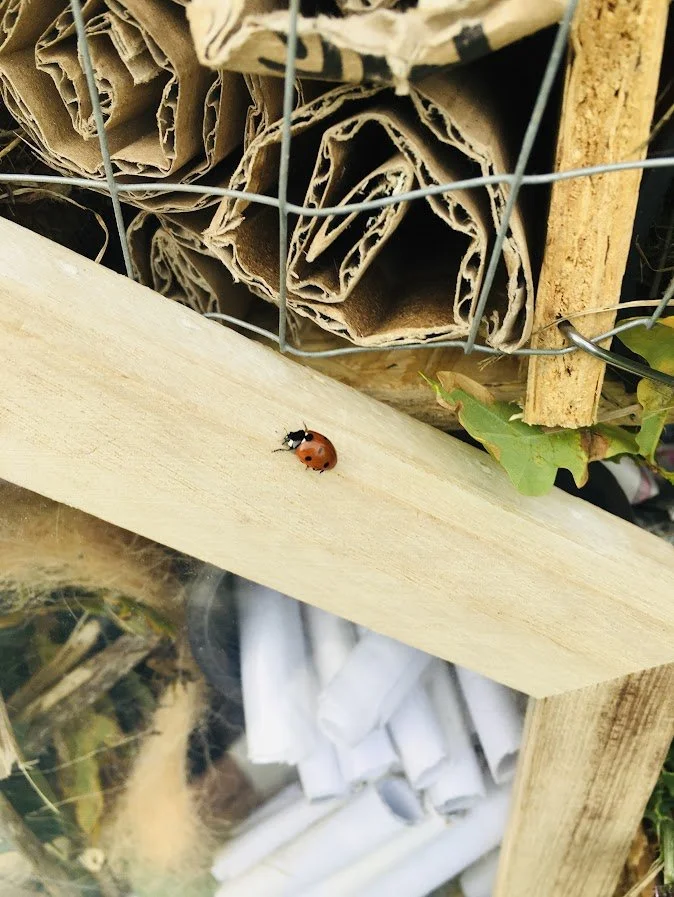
(516, 180)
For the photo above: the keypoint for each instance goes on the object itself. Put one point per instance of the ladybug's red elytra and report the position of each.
(313, 449)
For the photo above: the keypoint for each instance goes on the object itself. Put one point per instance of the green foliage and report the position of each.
(26, 797)
(657, 400)
(532, 455)
(85, 751)
(656, 346)
(660, 813)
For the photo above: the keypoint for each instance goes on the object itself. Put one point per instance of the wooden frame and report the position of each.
(609, 98)
(139, 411)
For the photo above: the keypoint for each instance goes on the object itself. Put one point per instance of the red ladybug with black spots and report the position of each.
(313, 449)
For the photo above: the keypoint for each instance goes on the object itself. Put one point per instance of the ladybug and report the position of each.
(313, 449)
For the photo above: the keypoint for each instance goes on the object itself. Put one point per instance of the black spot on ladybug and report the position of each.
(327, 464)
(307, 457)
(308, 437)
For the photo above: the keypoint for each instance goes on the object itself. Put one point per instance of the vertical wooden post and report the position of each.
(589, 763)
(610, 91)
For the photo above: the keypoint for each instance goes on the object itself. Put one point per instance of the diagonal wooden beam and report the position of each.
(139, 411)
(609, 96)
(589, 763)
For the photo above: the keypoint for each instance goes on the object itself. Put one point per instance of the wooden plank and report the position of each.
(588, 766)
(141, 412)
(609, 96)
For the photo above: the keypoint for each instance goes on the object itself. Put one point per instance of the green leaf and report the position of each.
(657, 401)
(660, 813)
(607, 441)
(85, 752)
(530, 455)
(656, 346)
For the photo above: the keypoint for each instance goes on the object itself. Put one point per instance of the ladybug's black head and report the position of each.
(295, 438)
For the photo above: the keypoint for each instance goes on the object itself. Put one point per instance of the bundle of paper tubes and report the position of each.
(403, 763)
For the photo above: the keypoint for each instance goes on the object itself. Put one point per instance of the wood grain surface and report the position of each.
(139, 411)
(609, 96)
(589, 763)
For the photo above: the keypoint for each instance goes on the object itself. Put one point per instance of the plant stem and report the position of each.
(79, 689)
(49, 872)
(9, 749)
(667, 849)
(81, 641)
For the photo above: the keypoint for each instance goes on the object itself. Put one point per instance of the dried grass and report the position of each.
(157, 840)
(46, 547)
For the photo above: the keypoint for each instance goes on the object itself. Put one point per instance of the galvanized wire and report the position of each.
(167, 187)
(284, 172)
(544, 92)
(516, 180)
(85, 56)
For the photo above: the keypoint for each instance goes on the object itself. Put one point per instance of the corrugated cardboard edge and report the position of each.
(382, 45)
(473, 135)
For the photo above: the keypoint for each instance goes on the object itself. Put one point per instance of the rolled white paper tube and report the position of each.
(320, 773)
(495, 710)
(418, 737)
(479, 879)
(355, 877)
(331, 639)
(370, 819)
(266, 779)
(458, 783)
(275, 675)
(377, 676)
(443, 857)
(272, 831)
(370, 759)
